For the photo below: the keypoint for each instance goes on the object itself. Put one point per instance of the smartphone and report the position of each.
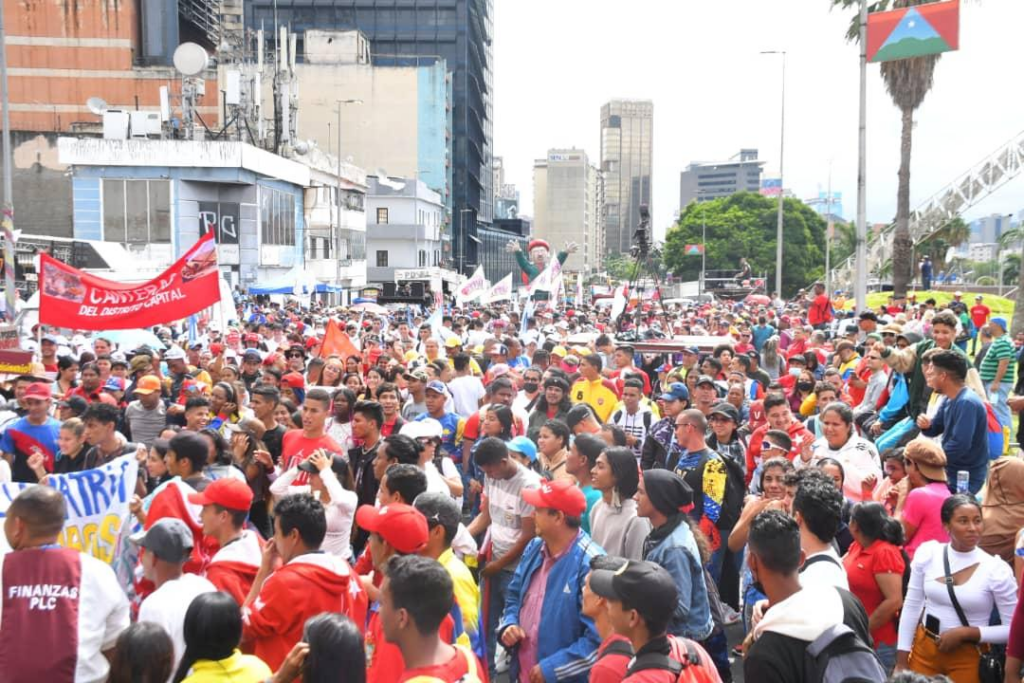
(931, 623)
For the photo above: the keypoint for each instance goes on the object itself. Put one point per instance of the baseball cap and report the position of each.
(438, 386)
(999, 321)
(338, 465)
(644, 586)
(147, 384)
(250, 355)
(418, 374)
(928, 456)
(229, 493)
(427, 428)
(77, 404)
(705, 379)
(114, 384)
(402, 526)
(524, 446)
(692, 349)
(562, 495)
(140, 362)
(677, 391)
(174, 353)
(499, 350)
(49, 338)
(452, 342)
(169, 539)
(727, 410)
(38, 390)
(294, 380)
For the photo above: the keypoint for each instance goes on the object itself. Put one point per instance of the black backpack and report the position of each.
(654, 660)
(839, 656)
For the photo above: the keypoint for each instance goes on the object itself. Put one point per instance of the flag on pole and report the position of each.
(619, 302)
(579, 290)
(434, 321)
(528, 310)
(693, 250)
(501, 291)
(472, 288)
(916, 31)
(337, 342)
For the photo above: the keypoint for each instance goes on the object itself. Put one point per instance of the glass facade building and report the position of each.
(460, 31)
(627, 142)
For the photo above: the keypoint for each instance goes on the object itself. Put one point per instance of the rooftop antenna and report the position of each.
(190, 59)
(97, 105)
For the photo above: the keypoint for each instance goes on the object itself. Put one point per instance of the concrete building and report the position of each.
(990, 228)
(983, 251)
(627, 144)
(270, 213)
(458, 31)
(706, 180)
(506, 196)
(565, 186)
(493, 248)
(402, 126)
(405, 220)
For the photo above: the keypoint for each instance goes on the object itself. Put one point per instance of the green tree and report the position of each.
(1014, 239)
(952, 234)
(907, 81)
(743, 225)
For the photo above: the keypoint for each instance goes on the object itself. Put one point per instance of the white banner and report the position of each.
(472, 288)
(549, 279)
(501, 291)
(97, 506)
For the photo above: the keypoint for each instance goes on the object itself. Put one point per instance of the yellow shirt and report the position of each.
(237, 667)
(599, 394)
(467, 594)
(474, 367)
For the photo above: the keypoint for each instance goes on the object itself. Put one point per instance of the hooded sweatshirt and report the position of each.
(234, 567)
(788, 627)
(308, 585)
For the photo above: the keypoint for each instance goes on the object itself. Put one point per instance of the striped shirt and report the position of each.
(507, 508)
(1001, 349)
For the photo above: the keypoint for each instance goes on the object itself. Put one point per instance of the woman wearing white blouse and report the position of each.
(326, 474)
(932, 638)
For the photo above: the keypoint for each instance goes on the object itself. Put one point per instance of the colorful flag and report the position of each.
(528, 309)
(693, 250)
(501, 291)
(471, 288)
(69, 297)
(916, 31)
(771, 187)
(337, 342)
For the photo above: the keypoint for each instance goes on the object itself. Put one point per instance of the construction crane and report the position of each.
(970, 188)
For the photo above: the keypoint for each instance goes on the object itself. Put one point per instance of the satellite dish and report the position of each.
(190, 59)
(386, 181)
(97, 105)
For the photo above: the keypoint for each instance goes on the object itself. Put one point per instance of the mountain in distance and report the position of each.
(911, 47)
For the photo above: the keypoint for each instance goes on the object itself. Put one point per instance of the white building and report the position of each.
(567, 196)
(404, 227)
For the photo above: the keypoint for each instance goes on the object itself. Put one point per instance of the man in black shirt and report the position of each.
(264, 400)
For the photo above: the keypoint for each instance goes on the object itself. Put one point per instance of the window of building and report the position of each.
(422, 258)
(382, 258)
(382, 215)
(137, 211)
(277, 217)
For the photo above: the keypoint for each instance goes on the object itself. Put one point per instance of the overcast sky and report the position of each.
(558, 61)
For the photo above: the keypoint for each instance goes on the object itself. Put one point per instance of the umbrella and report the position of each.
(374, 309)
(758, 300)
(133, 339)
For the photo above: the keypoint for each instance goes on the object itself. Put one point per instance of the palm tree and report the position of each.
(1014, 238)
(907, 81)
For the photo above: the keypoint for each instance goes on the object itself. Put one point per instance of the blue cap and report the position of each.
(999, 321)
(522, 444)
(677, 391)
(438, 386)
(692, 349)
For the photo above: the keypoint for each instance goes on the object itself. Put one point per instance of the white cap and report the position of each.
(174, 353)
(426, 428)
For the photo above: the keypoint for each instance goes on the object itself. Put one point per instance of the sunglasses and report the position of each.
(768, 446)
(294, 355)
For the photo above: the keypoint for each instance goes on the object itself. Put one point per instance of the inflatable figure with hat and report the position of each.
(539, 253)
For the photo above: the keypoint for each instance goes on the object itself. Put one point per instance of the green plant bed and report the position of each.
(1001, 306)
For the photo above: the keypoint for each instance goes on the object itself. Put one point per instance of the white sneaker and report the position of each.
(730, 616)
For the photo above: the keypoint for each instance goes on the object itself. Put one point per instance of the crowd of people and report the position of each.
(468, 495)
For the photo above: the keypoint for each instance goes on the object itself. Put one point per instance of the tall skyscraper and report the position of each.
(627, 144)
(461, 32)
(566, 187)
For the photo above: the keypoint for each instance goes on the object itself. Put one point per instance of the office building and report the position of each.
(506, 196)
(627, 143)
(404, 225)
(989, 229)
(566, 187)
(458, 31)
(703, 180)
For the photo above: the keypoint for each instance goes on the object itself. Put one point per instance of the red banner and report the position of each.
(71, 298)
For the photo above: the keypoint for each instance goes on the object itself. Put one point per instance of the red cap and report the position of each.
(251, 337)
(402, 526)
(38, 390)
(271, 359)
(230, 493)
(294, 380)
(562, 495)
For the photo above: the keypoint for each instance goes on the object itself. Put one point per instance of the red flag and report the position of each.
(69, 297)
(337, 342)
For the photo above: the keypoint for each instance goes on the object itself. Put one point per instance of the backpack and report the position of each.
(617, 647)
(689, 671)
(471, 662)
(839, 656)
(735, 491)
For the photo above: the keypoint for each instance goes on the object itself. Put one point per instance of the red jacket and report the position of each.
(797, 432)
(234, 567)
(306, 586)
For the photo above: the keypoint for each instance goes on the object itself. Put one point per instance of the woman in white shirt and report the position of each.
(614, 523)
(933, 639)
(330, 481)
(857, 455)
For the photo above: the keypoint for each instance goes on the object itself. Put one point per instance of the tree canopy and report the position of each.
(744, 225)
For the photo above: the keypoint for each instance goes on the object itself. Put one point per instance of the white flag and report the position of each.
(472, 288)
(501, 291)
(549, 278)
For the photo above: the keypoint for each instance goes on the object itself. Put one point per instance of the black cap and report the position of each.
(578, 413)
(644, 586)
(339, 464)
(868, 315)
(728, 410)
(705, 379)
(77, 404)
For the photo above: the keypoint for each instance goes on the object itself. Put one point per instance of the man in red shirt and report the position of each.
(615, 651)
(779, 416)
(91, 388)
(641, 600)
(305, 583)
(979, 316)
(819, 312)
(226, 504)
(415, 599)
(297, 445)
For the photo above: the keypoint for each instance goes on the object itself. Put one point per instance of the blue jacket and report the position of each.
(678, 554)
(568, 647)
(963, 424)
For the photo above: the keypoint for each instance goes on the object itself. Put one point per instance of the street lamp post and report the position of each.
(782, 149)
(336, 237)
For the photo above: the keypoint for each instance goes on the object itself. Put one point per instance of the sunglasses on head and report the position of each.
(768, 445)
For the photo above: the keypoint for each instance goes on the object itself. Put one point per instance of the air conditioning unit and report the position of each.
(115, 124)
(145, 123)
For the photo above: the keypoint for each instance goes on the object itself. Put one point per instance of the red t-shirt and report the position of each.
(384, 663)
(820, 311)
(462, 663)
(296, 447)
(861, 566)
(611, 667)
(980, 314)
